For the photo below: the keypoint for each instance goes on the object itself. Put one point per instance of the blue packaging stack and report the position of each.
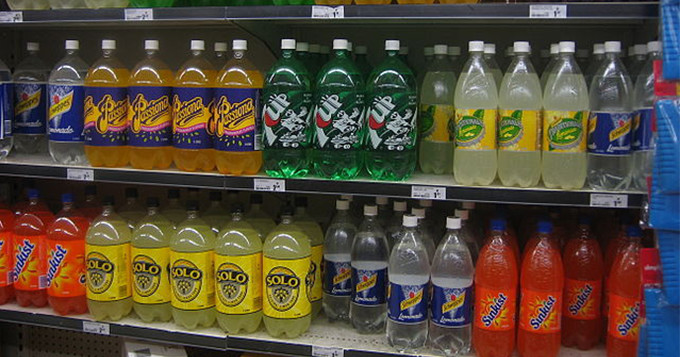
(670, 16)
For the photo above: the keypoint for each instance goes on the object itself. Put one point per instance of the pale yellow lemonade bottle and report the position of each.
(215, 215)
(192, 273)
(260, 220)
(316, 238)
(238, 276)
(173, 209)
(150, 262)
(286, 258)
(107, 248)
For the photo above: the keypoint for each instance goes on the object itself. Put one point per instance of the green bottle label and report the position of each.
(392, 121)
(338, 120)
(286, 119)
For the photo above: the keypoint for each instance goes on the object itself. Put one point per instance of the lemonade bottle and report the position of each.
(150, 261)
(192, 118)
(238, 274)
(494, 67)
(476, 101)
(131, 211)
(260, 220)
(107, 249)
(237, 100)
(150, 114)
(316, 239)
(106, 107)
(173, 210)
(215, 215)
(191, 267)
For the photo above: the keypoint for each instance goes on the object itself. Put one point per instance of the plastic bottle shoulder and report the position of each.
(240, 73)
(195, 72)
(70, 69)
(151, 71)
(238, 238)
(107, 72)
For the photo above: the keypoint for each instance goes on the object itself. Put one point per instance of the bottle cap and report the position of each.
(255, 199)
(239, 45)
(545, 227)
(428, 51)
(403, 50)
(341, 205)
(192, 205)
(612, 47)
(498, 224)
(324, 50)
(131, 192)
(108, 201)
(418, 212)
(453, 223)
(220, 47)
(370, 210)
(197, 45)
(581, 52)
(440, 49)
(347, 197)
(641, 49)
(567, 47)
(453, 51)
(340, 44)
(382, 200)
(237, 207)
(151, 44)
(67, 198)
(152, 202)
(399, 206)
(468, 205)
(410, 220)
(520, 47)
(90, 190)
(598, 48)
(392, 45)
(360, 50)
(173, 193)
(554, 48)
(108, 44)
(215, 196)
(302, 47)
(350, 46)
(72, 45)
(33, 46)
(314, 48)
(300, 201)
(288, 44)
(633, 231)
(653, 46)
(489, 49)
(476, 46)
(463, 214)
(425, 203)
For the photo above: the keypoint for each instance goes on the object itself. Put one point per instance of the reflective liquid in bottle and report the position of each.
(30, 94)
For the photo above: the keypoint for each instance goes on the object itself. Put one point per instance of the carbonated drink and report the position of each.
(316, 238)
(91, 208)
(361, 60)
(220, 59)
(131, 211)
(215, 215)
(28, 4)
(643, 133)
(384, 211)
(102, 4)
(393, 227)
(67, 4)
(6, 110)
(30, 82)
(173, 209)
(425, 231)
(6, 255)
(151, 3)
(595, 62)
(337, 272)
(490, 59)
(549, 68)
(468, 233)
(260, 220)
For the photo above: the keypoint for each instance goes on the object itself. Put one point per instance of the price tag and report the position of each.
(80, 174)
(138, 14)
(318, 351)
(269, 185)
(428, 192)
(548, 11)
(96, 327)
(608, 200)
(11, 16)
(328, 12)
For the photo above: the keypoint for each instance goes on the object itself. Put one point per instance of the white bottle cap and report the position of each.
(653, 46)
(403, 50)
(220, 47)
(641, 49)
(418, 212)
(325, 50)
(361, 50)
(350, 46)
(463, 214)
(391, 45)
(197, 45)
(468, 205)
(476, 46)
(151, 45)
(32, 46)
(342, 205)
(428, 51)
(108, 44)
(554, 48)
(239, 45)
(452, 223)
(302, 47)
(399, 206)
(288, 44)
(314, 48)
(440, 49)
(425, 203)
(410, 221)
(340, 44)
(612, 47)
(349, 198)
(489, 49)
(521, 47)
(72, 45)
(567, 47)
(598, 49)
(631, 51)
(454, 51)
(370, 210)
(382, 200)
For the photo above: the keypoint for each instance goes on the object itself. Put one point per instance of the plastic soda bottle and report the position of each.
(215, 215)
(391, 142)
(28, 4)
(258, 218)
(643, 135)
(30, 82)
(173, 210)
(425, 230)
(91, 208)
(150, 114)
(150, 264)
(476, 101)
(549, 68)
(494, 67)
(6, 255)
(468, 233)
(595, 62)
(286, 116)
(519, 127)
(337, 272)
(303, 55)
(97, 4)
(286, 257)
(106, 110)
(65, 95)
(372, 2)
(453, 52)
(361, 60)
(384, 211)
(192, 112)
(151, 3)
(238, 276)
(131, 211)
(220, 55)
(339, 117)
(368, 307)
(313, 231)
(565, 121)
(67, 4)
(107, 248)
(6, 110)
(237, 99)
(393, 226)
(638, 60)
(436, 114)
(496, 280)
(542, 284)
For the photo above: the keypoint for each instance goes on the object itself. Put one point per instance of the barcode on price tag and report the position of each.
(328, 12)
(608, 200)
(96, 327)
(11, 16)
(80, 174)
(138, 14)
(548, 11)
(318, 351)
(269, 185)
(428, 192)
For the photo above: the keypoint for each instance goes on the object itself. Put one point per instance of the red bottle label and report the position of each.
(66, 268)
(582, 299)
(495, 309)
(540, 312)
(30, 264)
(624, 317)
(6, 259)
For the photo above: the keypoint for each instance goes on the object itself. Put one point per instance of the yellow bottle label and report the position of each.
(150, 271)
(437, 122)
(518, 130)
(314, 282)
(108, 277)
(564, 131)
(476, 129)
(193, 287)
(285, 288)
(238, 282)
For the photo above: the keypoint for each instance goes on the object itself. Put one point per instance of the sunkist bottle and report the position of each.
(106, 110)
(476, 101)
(286, 115)
(494, 67)
(132, 211)
(30, 92)
(392, 133)
(65, 114)
(150, 113)
(642, 142)
(6, 110)
(337, 272)
(262, 222)
(519, 127)
(6, 255)
(237, 137)
(313, 231)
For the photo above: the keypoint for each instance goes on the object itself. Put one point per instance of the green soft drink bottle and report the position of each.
(150, 264)
(316, 238)
(287, 114)
(258, 218)
(393, 109)
(361, 60)
(238, 274)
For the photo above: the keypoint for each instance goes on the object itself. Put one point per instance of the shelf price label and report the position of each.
(547, 11)
(138, 14)
(11, 16)
(96, 327)
(80, 174)
(428, 192)
(319, 351)
(328, 12)
(608, 200)
(269, 185)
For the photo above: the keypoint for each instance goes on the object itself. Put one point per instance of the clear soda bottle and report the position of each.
(550, 66)
(425, 231)
(6, 110)
(393, 226)
(262, 222)
(30, 91)
(173, 209)
(361, 60)
(337, 270)
(494, 67)
(453, 53)
(132, 211)
(643, 133)
(215, 215)
(638, 60)
(595, 62)
(384, 211)
(468, 233)
(313, 231)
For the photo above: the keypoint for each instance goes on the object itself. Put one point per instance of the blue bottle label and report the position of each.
(609, 133)
(106, 110)
(643, 132)
(29, 108)
(368, 286)
(407, 303)
(150, 116)
(452, 307)
(6, 109)
(236, 119)
(65, 117)
(193, 123)
(337, 278)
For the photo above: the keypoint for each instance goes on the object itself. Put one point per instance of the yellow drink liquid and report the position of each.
(316, 239)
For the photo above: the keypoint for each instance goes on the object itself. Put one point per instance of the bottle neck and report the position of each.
(220, 54)
(33, 201)
(196, 53)
(130, 201)
(286, 219)
(151, 53)
(68, 206)
(237, 217)
(239, 54)
(107, 53)
(107, 210)
(152, 211)
(192, 214)
(341, 53)
(71, 52)
(288, 54)
(611, 55)
(391, 53)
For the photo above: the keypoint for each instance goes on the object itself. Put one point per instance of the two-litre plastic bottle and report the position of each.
(65, 95)
(260, 220)
(30, 95)
(384, 210)
(595, 62)
(132, 211)
(6, 110)
(550, 66)
(215, 215)
(91, 207)
(151, 3)
(303, 55)
(102, 4)
(28, 4)
(337, 272)
(361, 60)
(67, 4)
(393, 226)
(313, 231)
(638, 61)
(468, 233)
(425, 231)
(494, 67)
(453, 53)
(220, 57)
(6, 255)
(173, 210)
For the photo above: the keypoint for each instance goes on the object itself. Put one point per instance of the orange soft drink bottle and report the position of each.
(6, 255)
(150, 114)
(624, 298)
(30, 248)
(540, 309)
(91, 208)
(237, 111)
(494, 327)
(66, 260)
(615, 244)
(583, 269)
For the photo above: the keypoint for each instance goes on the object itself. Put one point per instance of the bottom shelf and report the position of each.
(322, 340)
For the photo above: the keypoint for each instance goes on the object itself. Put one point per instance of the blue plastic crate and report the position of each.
(666, 158)
(670, 34)
(669, 251)
(661, 330)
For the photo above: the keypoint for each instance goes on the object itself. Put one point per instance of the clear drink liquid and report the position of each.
(67, 4)
(6, 110)
(30, 95)
(313, 231)
(215, 215)
(260, 220)
(643, 137)
(337, 259)
(28, 4)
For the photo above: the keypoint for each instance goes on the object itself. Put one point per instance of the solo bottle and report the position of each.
(337, 272)
(132, 211)
(30, 92)
(173, 210)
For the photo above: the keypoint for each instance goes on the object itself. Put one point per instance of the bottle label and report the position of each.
(66, 273)
(643, 133)
(451, 307)
(392, 121)
(236, 119)
(624, 317)
(6, 259)
(150, 116)
(239, 283)
(338, 278)
(29, 108)
(193, 123)
(407, 303)
(540, 312)
(6, 109)
(106, 114)
(338, 121)
(369, 286)
(314, 282)
(495, 309)
(108, 277)
(518, 130)
(151, 275)
(582, 299)
(30, 265)
(66, 113)
(476, 129)
(609, 133)
(193, 286)
(285, 288)
(563, 131)
(287, 119)
(437, 122)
